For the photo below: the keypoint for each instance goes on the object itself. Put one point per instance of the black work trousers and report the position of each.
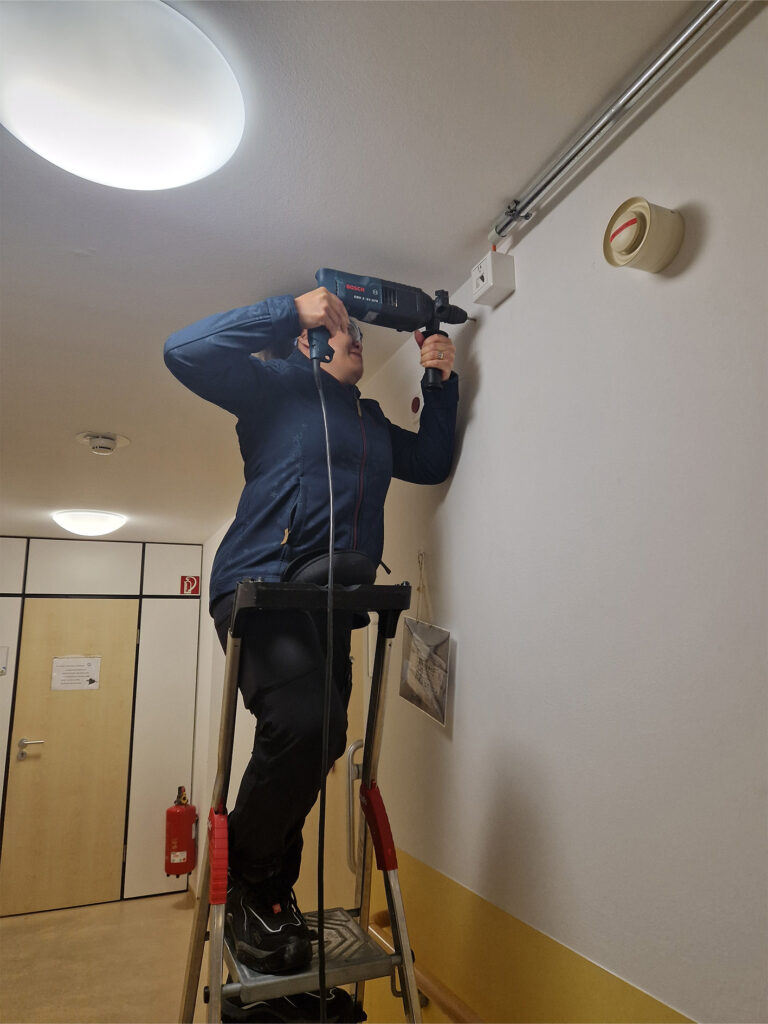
(282, 679)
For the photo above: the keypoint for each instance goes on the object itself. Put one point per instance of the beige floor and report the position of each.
(116, 962)
(124, 963)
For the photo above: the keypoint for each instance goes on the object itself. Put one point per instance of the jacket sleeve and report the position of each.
(426, 457)
(213, 356)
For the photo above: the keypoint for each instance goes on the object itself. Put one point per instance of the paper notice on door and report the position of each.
(75, 673)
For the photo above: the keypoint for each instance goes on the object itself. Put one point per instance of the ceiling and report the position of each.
(381, 137)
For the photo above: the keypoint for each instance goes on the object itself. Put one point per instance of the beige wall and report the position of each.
(600, 559)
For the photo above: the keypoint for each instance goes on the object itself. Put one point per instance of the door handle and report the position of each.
(354, 772)
(23, 744)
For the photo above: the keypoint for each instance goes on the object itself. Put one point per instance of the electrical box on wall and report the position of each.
(493, 278)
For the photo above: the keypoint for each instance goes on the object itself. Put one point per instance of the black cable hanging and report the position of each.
(326, 708)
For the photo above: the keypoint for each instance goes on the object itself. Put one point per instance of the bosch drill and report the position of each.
(386, 304)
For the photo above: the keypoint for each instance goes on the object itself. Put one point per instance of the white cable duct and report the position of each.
(642, 87)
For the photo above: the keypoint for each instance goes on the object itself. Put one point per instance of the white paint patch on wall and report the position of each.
(600, 556)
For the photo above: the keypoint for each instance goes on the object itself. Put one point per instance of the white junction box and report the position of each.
(493, 278)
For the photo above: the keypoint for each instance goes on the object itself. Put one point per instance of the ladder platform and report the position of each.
(350, 956)
(256, 595)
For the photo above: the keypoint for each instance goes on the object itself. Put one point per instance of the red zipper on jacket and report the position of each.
(362, 468)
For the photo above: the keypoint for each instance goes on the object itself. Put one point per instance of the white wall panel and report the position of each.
(83, 567)
(10, 610)
(169, 568)
(162, 739)
(13, 551)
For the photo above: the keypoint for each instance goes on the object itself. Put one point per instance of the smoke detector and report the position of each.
(102, 443)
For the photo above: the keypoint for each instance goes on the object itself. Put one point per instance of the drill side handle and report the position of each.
(433, 378)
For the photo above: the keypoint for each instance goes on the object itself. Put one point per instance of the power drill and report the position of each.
(387, 304)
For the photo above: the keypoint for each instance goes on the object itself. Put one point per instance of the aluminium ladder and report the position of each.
(352, 957)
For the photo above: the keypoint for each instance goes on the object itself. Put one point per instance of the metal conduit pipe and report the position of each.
(651, 77)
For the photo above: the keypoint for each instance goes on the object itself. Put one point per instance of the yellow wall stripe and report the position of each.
(506, 970)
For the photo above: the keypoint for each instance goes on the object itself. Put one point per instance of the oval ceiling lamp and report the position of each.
(88, 522)
(127, 94)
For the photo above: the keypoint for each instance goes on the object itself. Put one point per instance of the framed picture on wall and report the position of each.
(424, 675)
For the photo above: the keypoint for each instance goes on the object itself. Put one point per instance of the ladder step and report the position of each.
(350, 956)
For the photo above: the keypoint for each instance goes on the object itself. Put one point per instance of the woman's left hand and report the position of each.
(437, 351)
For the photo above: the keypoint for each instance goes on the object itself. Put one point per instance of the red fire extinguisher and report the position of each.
(180, 821)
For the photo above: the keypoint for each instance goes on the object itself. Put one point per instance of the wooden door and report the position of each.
(65, 807)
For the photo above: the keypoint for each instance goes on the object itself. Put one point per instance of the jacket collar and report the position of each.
(300, 361)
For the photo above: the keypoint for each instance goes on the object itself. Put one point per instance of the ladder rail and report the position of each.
(408, 987)
(363, 891)
(220, 788)
(376, 703)
(196, 942)
(371, 750)
(216, 964)
(227, 723)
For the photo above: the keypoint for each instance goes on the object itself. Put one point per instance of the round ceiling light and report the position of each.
(131, 94)
(88, 522)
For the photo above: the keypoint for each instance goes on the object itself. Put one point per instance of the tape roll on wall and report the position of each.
(643, 236)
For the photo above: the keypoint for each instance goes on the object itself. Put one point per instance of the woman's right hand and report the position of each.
(320, 308)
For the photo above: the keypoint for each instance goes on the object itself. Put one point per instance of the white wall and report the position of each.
(600, 558)
(162, 736)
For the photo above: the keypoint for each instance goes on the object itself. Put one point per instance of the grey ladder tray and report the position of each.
(351, 956)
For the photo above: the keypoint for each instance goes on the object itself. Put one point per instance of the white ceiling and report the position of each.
(381, 138)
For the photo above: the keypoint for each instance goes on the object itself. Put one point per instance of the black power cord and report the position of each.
(326, 707)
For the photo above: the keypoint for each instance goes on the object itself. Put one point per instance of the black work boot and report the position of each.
(271, 938)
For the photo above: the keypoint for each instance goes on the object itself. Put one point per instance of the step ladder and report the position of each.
(351, 956)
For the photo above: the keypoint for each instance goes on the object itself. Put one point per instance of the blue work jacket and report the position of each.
(283, 512)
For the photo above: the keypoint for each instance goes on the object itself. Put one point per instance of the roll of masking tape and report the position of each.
(643, 236)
